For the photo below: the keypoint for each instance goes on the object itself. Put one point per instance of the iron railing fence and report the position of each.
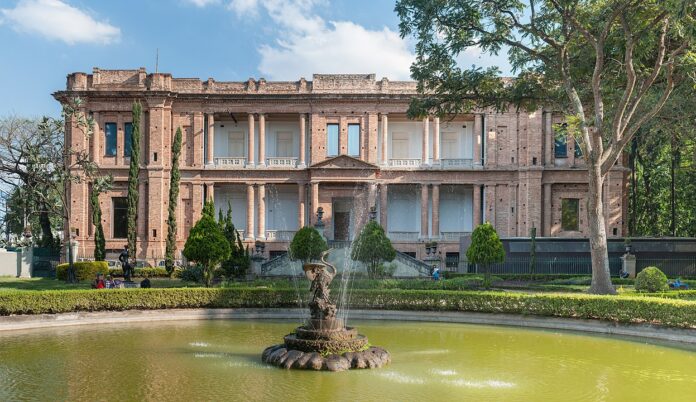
(673, 267)
(548, 265)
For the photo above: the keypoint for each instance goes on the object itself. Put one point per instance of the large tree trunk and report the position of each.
(601, 279)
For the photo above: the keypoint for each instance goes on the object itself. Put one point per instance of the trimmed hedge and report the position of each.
(661, 311)
(152, 272)
(651, 280)
(84, 270)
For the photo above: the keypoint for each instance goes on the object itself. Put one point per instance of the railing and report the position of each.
(453, 235)
(403, 236)
(457, 163)
(674, 267)
(279, 235)
(230, 162)
(549, 265)
(408, 163)
(277, 262)
(420, 266)
(281, 162)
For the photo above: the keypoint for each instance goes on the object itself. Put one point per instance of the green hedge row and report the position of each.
(661, 311)
(84, 270)
(151, 272)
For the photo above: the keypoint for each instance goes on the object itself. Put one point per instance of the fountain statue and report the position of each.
(324, 342)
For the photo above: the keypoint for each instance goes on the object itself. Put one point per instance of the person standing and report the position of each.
(125, 263)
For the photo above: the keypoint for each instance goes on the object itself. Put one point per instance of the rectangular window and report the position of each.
(332, 139)
(110, 139)
(120, 217)
(235, 144)
(284, 144)
(560, 147)
(451, 261)
(570, 212)
(354, 139)
(127, 139)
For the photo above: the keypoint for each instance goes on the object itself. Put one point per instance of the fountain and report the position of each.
(324, 342)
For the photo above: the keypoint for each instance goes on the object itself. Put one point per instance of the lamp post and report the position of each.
(257, 258)
(432, 256)
(319, 226)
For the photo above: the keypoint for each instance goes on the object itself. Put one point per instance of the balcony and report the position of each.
(453, 236)
(230, 162)
(457, 163)
(405, 163)
(281, 162)
(279, 235)
(403, 236)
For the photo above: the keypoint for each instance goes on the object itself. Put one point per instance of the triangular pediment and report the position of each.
(343, 162)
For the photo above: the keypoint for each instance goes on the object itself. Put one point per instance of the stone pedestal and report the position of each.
(26, 257)
(628, 264)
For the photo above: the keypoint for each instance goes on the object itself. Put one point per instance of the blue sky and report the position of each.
(229, 40)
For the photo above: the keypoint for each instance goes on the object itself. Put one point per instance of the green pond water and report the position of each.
(220, 360)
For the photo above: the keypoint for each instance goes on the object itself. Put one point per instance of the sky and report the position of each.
(229, 40)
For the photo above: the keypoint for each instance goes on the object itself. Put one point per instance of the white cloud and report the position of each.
(55, 19)
(308, 44)
(203, 3)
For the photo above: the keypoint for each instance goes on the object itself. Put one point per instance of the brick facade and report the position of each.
(514, 179)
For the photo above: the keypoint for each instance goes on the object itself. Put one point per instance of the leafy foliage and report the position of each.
(307, 245)
(84, 270)
(239, 262)
(372, 247)
(99, 186)
(207, 244)
(133, 174)
(651, 279)
(173, 200)
(485, 249)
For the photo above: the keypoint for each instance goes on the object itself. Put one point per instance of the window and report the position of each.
(449, 145)
(120, 217)
(284, 144)
(332, 139)
(354, 139)
(400, 145)
(570, 211)
(110, 139)
(235, 144)
(451, 261)
(127, 139)
(560, 147)
(578, 150)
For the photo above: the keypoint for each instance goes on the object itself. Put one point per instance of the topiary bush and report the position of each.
(84, 270)
(485, 249)
(307, 245)
(651, 280)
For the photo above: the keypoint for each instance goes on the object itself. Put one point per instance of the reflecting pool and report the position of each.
(221, 360)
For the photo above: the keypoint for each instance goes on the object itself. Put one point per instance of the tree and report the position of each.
(485, 249)
(239, 261)
(173, 201)
(372, 248)
(133, 174)
(206, 244)
(307, 245)
(99, 186)
(608, 65)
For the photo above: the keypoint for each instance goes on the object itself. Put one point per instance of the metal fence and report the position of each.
(674, 267)
(548, 265)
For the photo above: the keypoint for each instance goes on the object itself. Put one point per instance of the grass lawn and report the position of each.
(9, 283)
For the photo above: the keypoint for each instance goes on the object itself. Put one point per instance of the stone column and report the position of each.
(303, 136)
(371, 195)
(383, 188)
(210, 139)
(249, 234)
(143, 213)
(424, 211)
(426, 141)
(476, 206)
(547, 210)
(436, 212)
(252, 150)
(301, 204)
(476, 134)
(261, 213)
(96, 137)
(211, 192)
(385, 139)
(262, 140)
(315, 203)
(436, 141)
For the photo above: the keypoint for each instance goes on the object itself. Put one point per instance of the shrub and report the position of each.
(651, 279)
(373, 248)
(193, 273)
(207, 244)
(84, 270)
(307, 245)
(151, 272)
(485, 249)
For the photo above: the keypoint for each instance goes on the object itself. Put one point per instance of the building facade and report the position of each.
(276, 151)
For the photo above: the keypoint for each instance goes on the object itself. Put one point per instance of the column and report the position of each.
(371, 195)
(210, 192)
(301, 204)
(143, 213)
(476, 206)
(548, 138)
(303, 136)
(385, 139)
(478, 127)
(210, 139)
(547, 210)
(96, 137)
(426, 141)
(436, 141)
(261, 213)
(249, 232)
(424, 211)
(383, 206)
(436, 212)
(252, 150)
(262, 140)
(315, 203)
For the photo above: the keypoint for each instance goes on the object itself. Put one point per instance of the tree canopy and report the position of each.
(307, 245)
(372, 247)
(206, 243)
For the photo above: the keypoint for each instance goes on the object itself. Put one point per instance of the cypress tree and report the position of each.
(99, 241)
(173, 200)
(133, 174)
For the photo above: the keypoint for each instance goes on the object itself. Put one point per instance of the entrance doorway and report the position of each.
(341, 219)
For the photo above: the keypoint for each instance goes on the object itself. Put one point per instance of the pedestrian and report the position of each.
(125, 263)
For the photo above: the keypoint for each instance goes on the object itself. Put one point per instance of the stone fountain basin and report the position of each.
(281, 356)
(327, 334)
(326, 346)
